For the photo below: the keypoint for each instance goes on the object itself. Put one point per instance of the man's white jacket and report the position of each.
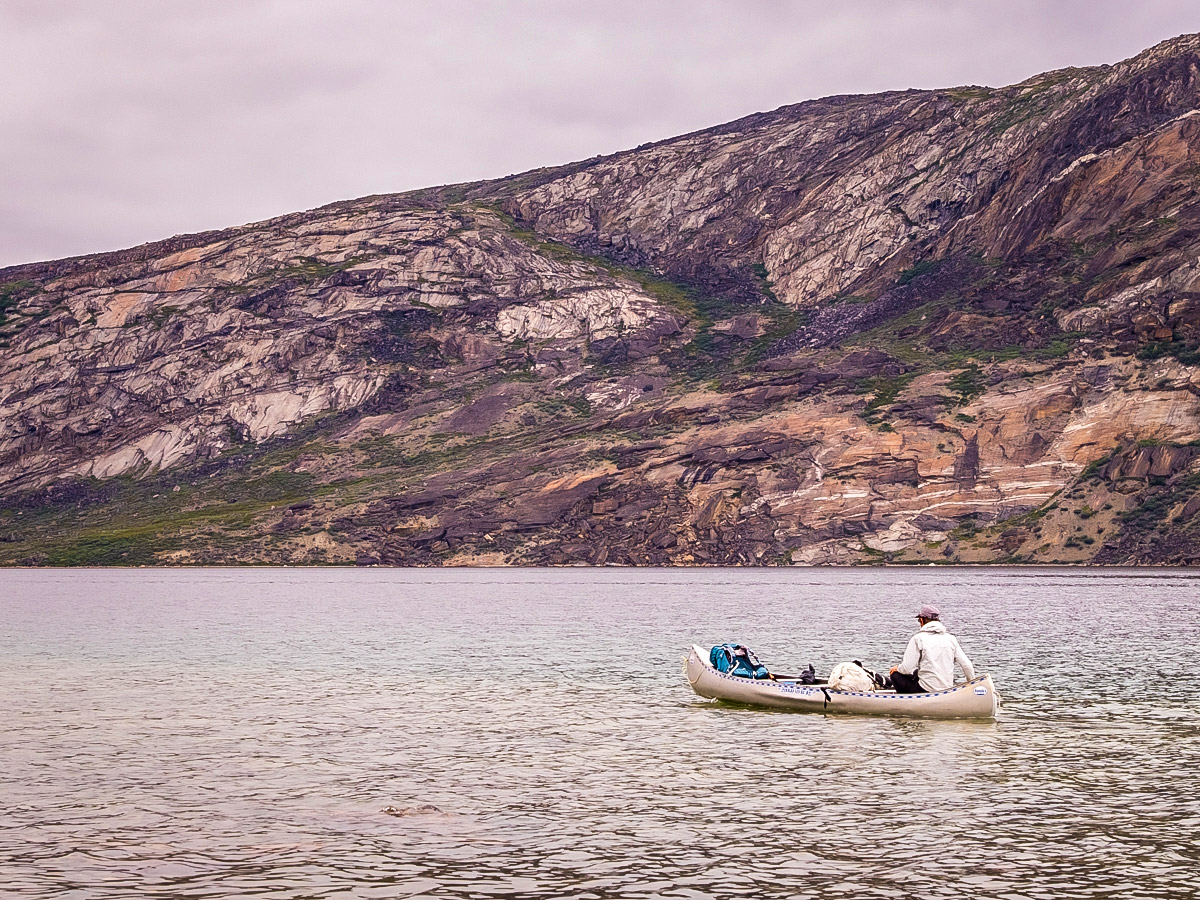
(932, 653)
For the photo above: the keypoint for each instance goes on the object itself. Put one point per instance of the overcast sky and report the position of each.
(125, 121)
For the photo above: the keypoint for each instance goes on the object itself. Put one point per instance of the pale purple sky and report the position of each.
(125, 121)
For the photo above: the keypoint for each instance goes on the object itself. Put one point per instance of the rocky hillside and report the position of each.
(950, 326)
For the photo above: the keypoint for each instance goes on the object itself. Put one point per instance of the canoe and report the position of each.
(975, 699)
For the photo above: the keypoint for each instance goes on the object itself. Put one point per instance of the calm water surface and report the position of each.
(238, 733)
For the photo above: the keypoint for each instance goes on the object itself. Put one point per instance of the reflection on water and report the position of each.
(220, 733)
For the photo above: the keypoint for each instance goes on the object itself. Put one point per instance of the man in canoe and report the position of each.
(929, 659)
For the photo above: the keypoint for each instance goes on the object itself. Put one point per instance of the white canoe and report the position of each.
(976, 699)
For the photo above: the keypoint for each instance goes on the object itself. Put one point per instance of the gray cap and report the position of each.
(929, 612)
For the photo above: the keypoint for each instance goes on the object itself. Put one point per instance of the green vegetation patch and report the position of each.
(440, 453)
(308, 270)
(967, 384)
(1092, 471)
(884, 390)
(764, 281)
(886, 337)
(270, 487)
(578, 406)
(670, 293)
(127, 521)
(12, 293)
(1032, 100)
(981, 93)
(1149, 513)
(120, 547)
(1183, 351)
(924, 267)
(161, 314)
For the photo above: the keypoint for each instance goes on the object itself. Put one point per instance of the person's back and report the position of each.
(928, 663)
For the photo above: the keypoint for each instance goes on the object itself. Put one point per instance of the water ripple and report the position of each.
(204, 734)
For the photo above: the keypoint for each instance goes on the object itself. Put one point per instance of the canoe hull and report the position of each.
(976, 699)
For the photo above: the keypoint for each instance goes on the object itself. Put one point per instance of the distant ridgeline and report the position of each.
(922, 326)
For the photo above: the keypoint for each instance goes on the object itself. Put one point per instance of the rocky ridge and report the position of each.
(951, 326)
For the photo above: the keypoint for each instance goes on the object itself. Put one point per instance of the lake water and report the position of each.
(221, 733)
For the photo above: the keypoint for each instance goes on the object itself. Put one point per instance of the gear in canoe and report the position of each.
(920, 686)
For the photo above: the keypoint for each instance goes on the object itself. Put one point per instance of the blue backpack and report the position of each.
(736, 659)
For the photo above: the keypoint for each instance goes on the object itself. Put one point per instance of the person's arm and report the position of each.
(912, 657)
(963, 660)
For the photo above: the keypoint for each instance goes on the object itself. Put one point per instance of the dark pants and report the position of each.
(907, 684)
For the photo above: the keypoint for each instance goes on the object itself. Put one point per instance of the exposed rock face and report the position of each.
(956, 325)
(138, 365)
